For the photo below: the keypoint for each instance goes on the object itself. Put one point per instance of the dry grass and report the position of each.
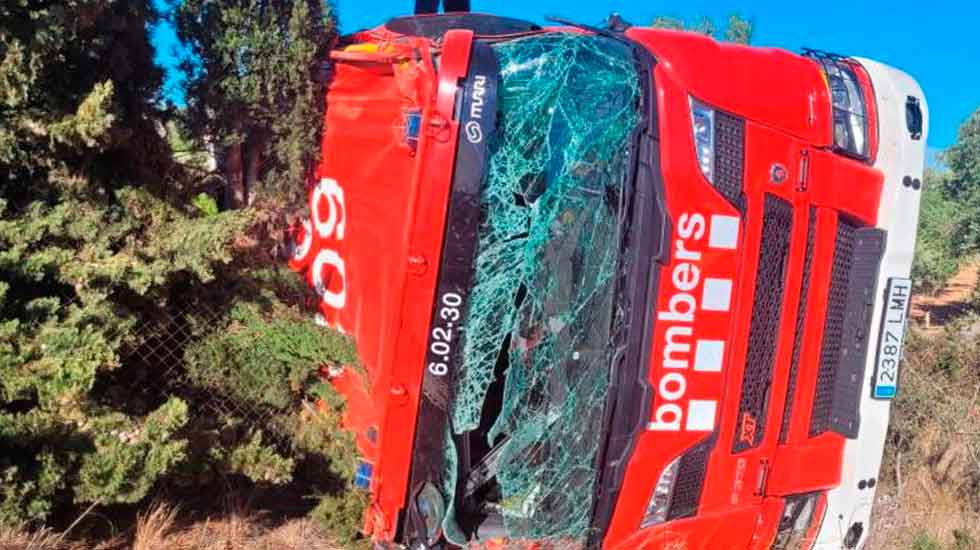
(154, 526)
(238, 528)
(13, 538)
(161, 527)
(929, 498)
(17, 539)
(926, 509)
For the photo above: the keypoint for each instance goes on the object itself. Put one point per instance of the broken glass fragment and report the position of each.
(537, 351)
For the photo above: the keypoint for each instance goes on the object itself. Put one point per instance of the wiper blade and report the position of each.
(485, 470)
(583, 26)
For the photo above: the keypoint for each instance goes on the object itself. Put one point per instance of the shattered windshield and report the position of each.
(527, 418)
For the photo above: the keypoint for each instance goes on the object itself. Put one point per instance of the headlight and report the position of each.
(703, 125)
(801, 519)
(850, 114)
(659, 505)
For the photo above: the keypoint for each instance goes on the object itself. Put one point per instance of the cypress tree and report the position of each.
(738, 30)
(92, 232)
(255, 90)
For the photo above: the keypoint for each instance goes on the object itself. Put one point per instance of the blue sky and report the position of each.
(938, 44)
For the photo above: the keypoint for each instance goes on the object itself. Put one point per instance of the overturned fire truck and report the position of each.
(613, 287)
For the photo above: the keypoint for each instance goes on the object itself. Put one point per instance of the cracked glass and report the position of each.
(538, 346)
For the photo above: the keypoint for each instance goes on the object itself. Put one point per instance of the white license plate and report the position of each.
(893, 322)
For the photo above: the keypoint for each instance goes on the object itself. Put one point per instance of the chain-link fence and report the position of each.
(195, 399)
(155, 359)
(247, 362)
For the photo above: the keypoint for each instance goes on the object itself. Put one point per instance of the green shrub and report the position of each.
(260, 463)
(27, 492)
(923, 541)
(104, 240)
(962, 540)
(343, 515)
(265, 356)
(269, 358)
(85, 456)
(92, 237)
(206, 204)
(936, 257)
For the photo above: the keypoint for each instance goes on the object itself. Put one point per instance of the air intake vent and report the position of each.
(857, 254)
(832, 326)
(845, 410)
(794, 368)
(729, 157)
(690, 480)
(777, 226)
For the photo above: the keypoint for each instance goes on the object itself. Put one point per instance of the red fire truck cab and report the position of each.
(614, 287)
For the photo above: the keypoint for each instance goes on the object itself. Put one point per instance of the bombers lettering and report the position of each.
(679, 314)
(681, 350)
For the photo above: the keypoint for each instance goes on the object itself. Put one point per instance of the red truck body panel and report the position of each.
(774, 90)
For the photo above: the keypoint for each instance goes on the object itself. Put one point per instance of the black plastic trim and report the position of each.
(434, 26)
(646, 238)
(845, 410)
(455, 274)
(847, 326)
(729, 161)
(913, 117)
(833, 323)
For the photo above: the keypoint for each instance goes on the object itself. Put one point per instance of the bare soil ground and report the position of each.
(931, 312)
(924, 510)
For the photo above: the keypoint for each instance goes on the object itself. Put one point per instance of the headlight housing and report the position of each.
(703, 126)
(801, 519)
(663, 493)
(852, 135)
(432, 510)
(677, 493)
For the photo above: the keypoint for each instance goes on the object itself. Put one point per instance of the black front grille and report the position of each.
(794, 368)
(832, 327)
(690, 480)
(729, 157)
(777, 227)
